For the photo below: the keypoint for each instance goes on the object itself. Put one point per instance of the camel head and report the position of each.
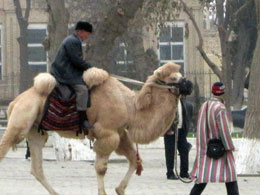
(166, 75)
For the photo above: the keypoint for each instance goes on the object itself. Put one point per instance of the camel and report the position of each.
(119, 115)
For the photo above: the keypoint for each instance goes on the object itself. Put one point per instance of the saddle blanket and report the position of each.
(60, 114)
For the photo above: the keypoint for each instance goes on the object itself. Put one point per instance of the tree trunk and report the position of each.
(144, 62)
(249, 152)
(226, 72)
(136, 47)
(239, 71)
(25, 80)
(57, 27)
(224, 33)
(115, 24)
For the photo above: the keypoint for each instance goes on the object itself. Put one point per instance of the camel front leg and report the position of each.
(107, 142)
(36, 142)
(126, 148)
(101, 168)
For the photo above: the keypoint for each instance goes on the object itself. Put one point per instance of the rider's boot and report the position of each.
(83, 120)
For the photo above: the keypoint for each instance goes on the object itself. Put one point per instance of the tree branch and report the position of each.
(257, 5)
(242, 8)
(18, 11)
(19, 14)
(212, 65)
(27, 11)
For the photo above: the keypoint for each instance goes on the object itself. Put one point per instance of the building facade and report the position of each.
(9, 46)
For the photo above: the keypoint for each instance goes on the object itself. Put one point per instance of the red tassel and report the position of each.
(139, 167)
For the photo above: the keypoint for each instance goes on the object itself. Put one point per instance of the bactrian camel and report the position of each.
(119, 115)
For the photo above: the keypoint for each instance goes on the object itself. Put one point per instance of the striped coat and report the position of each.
(207, 169)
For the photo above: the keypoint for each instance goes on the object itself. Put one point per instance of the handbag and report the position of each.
(215, 147)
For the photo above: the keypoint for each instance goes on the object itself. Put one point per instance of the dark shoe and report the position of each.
(185, 175)
(27, 155)
(172, 177)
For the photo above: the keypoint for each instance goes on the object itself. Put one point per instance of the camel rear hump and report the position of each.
(44, 83)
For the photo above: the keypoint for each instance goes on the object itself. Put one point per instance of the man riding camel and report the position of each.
(69, 66)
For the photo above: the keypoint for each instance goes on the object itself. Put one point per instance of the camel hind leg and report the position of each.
(21, 118)
(36, 142)
(126, 148)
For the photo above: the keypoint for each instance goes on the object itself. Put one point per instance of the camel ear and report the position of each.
(158, 73)
(144, 98)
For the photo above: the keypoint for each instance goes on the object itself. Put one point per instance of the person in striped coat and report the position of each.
(207, 169)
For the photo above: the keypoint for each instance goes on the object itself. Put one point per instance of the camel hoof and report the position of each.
(120, 191)
(102, 193)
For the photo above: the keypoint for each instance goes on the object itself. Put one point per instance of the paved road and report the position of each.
(78, 178)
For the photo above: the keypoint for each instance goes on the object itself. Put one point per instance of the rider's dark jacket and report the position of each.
(69, 65)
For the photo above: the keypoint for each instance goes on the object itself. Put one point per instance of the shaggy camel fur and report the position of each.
(120, 117)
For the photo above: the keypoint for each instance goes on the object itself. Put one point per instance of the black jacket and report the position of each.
(69, 65)
(187, 110)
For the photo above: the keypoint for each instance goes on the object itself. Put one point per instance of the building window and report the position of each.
(124, 60)
(1, 52)
(123, 56)
(171, 44)
(37, 56)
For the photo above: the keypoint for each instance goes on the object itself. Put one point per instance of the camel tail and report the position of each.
(13, 134)
(9, 139)
(10, 109)
(44, 83)
(6, 142)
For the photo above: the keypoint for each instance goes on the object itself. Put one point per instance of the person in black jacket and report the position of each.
(68, 67)
(182, 122)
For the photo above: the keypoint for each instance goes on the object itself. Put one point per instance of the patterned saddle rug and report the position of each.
(60, 112)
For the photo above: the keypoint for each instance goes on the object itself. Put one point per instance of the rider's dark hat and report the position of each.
(84, 26)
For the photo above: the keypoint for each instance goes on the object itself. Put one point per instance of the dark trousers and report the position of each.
(82, 96)
(28, 154)
(232, 188)
(183, 147)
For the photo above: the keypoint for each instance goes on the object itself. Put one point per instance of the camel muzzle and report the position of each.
(185, 86)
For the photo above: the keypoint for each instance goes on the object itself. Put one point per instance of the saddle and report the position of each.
(60, 112)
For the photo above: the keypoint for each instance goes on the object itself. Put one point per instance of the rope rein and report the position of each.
(140, 83)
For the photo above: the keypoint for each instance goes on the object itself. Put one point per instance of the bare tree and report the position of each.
(57, 27)
(25, 83)
(121, 21)
(113, 25)
(235, 49)
(249, 151)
